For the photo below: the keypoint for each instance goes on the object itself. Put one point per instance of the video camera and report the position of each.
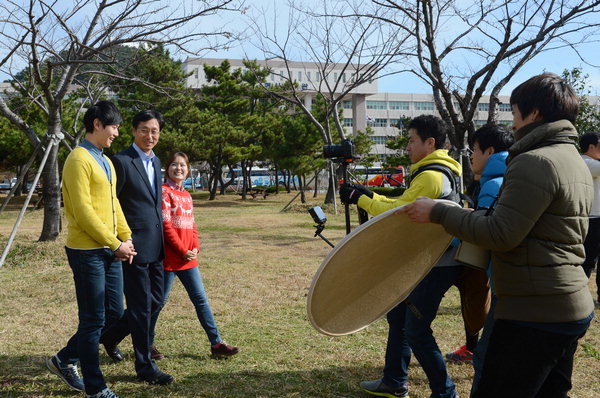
(343, 151)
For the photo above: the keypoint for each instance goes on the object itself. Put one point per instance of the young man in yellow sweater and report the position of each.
(98, 239)
(434, 174)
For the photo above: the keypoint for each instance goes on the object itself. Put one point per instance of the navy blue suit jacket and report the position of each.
(141, 204)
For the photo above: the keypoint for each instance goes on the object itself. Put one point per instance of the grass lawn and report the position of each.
(257, 264)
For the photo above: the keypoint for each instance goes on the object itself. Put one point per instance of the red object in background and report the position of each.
(392, 176)
(377, 177)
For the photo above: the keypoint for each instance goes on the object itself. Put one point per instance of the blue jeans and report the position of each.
(99, 291)
(397, 352)
(422, 307)
(192, 281)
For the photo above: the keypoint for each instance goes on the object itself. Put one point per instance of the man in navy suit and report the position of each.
(139, 192)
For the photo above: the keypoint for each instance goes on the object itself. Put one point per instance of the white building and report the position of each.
(364, 106)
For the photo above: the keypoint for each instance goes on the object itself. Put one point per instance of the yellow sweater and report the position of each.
(91, 205)
(428, 183)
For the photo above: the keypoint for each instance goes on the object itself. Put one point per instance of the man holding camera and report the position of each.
(434, 175)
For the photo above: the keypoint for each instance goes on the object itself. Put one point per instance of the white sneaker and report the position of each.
(106, 393)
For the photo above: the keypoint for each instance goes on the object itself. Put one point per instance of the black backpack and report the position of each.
(454, 195)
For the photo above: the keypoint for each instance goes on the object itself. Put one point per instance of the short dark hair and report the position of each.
(172, 159)
(492, 135)
(146, 115)
(105, 111)
(550, 94)
(429, 126)
(588, 139)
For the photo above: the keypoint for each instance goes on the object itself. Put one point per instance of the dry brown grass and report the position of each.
(257, 264)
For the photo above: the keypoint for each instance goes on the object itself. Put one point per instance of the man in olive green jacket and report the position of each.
(536, 235)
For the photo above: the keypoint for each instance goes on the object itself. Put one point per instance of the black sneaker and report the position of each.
(68, 373)
(379, 388)
(160, 378)
(106, 393)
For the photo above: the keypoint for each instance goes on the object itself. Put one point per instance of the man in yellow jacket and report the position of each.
(98, 238)
(435, 175)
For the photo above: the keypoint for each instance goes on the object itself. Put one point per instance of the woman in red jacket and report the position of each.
(181, 252)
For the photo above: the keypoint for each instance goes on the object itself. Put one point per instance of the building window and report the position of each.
(347, 104)
(376, 105)
(318, 76)
(299, 75)
(281, 76)
(344, 78)
(424, 106)
(380, 123)
(505, 108)
(378, 139)
(335, 76)
(196, 72)
(348, 122)
(483, 107)
(399, 105)
(308, 75)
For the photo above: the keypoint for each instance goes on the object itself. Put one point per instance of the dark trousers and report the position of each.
(99, 290)
(410, 328)
(592, 250)
(524, 362)
(144, 286)
(397, 353)
(426, 299)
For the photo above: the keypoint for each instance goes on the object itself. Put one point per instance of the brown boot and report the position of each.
(155, 354)
(224, 350)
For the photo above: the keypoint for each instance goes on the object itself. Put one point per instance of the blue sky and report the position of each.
(553, 61)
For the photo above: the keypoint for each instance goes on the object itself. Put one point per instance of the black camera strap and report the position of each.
(454, 196)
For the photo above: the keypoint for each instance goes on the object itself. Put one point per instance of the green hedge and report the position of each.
(271, 189)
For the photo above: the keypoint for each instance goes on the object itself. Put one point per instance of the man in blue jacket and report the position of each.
(490, 145)
(490, 149)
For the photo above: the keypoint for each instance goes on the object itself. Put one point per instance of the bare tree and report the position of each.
(54, 41)
(346, 52)
(466, 49)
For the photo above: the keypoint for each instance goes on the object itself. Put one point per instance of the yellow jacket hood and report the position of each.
(439, 156)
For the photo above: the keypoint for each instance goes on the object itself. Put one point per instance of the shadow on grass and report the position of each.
(27, 376)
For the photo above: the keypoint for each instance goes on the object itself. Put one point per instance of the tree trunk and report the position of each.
(19, 189)
(330, 196)
(276, 181)
(51, 194)
(288, 180)
(214, 184)
(246, 183)
(293, 181)
(316, 184)
(302, 186)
